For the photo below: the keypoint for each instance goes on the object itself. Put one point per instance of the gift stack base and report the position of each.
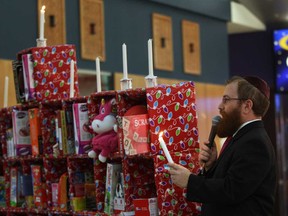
(55, 175)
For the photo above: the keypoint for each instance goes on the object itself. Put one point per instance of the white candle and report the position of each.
(42, 21)
(5, 102)
(150, 58)
(124, 56)
(98, 75)
(57, 130)
(72, 79)
(164, 147)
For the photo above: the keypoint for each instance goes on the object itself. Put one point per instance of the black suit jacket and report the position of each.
(243, 180)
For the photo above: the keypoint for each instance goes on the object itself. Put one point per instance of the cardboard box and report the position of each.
(39, 188)
(90, 194)
(63, 192)
(111, 182)
(18, 80)
(21, 132)
(13, 187)
(61, 131)
(79, 190)
(82, 135)
(35, 131)
(27, 65)
(136, 134)
(11, 148)
(54, 190)
(70, 131)
(78, 203)
(26, 185)
(146, 207)
(119, 200)
(2, 192)
(16, 197)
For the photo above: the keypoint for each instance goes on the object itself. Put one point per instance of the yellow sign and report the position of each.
(283, 42)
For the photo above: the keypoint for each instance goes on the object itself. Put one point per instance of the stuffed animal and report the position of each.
(104, 124)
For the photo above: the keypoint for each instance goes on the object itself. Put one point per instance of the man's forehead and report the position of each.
(231, 89)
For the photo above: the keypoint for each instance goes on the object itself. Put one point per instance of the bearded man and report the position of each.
(241, 180)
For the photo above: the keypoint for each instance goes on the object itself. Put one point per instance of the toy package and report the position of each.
(82, 134)
(21, 132)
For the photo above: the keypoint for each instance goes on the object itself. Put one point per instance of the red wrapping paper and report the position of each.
(4, 119)
(125, 100)
(54, 168)
(67, 107)
(52, 71)
(172, 110)
(138, 180)
(93, 104)
(100, 180)
(172, 199)
(77, 167)
(47, 121)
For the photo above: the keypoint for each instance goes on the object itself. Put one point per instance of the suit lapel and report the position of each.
(233, 141)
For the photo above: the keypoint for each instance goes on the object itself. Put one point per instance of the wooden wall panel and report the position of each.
(191, 47)
(138, 81)
(6, 70)
(55, 25)
(92, 29)
(201, 104)
(163, 44)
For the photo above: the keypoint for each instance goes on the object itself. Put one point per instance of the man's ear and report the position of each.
(247, 106)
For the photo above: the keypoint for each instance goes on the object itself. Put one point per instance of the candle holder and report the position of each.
(126, 84)
(41, 42)
(151, 81)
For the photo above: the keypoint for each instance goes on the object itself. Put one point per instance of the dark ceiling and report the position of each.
(273, 13)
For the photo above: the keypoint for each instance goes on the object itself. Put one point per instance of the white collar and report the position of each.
(246, 123)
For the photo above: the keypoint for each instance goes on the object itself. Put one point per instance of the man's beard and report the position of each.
(229, 124)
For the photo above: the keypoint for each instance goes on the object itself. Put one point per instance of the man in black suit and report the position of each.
(242, 180)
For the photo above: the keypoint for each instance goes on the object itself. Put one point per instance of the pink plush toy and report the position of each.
(105, 126)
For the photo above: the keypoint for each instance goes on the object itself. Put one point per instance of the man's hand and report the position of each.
(207, 156)
(179, 175)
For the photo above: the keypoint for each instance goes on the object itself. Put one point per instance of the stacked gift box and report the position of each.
(72, 181)
(138, 170)
(2, 163)
(5, 123)
(100, 169)
(48, 77)
(55, 167)
(172, 110)
(42, 81)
